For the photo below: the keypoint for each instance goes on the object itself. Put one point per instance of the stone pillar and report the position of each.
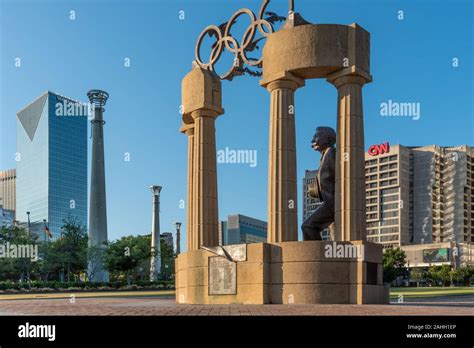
(282, 193)
(205, 214)
(350, 219)
(201, 96)
(155, 263)
(192, 242)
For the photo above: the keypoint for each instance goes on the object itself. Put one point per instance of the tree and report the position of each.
(17, 269)
(66, 257)
(394, 260)
(417, 275)
(129, 258)
(167, 260)
(440, 274)
(457, 276)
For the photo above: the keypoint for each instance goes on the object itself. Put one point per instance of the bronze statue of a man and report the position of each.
(324, 185)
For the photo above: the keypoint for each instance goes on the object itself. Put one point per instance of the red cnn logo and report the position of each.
(375, 150)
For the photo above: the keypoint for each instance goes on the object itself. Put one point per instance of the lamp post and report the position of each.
(29, 225)
(177, 225)
(44, 229)
(155, 264)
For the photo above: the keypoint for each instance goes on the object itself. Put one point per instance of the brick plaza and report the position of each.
(455, 305)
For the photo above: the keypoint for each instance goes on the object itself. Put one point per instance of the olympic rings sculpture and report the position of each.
(225, 40)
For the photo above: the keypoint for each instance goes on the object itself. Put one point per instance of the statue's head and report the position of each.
(323, 138)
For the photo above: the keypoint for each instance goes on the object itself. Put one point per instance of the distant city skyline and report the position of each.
(415, 61)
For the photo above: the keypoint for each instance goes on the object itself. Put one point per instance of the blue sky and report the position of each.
(411, 61)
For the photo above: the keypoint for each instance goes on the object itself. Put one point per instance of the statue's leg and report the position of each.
(317, 222)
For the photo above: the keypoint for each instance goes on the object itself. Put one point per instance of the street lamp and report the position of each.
(29, 225)
(44, 229)
(177, 225)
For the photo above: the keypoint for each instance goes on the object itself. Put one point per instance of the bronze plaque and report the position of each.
(222, 276)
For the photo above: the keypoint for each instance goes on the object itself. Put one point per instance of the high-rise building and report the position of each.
(418, 195)
(6, 217)
(310, 204)
(168, 238)
(51, 162)
(8, 190)
(223, 233)
(239, 229)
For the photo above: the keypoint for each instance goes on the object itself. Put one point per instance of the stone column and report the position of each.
(205, 208)
(282, 193)
(155, 262)
(192, 242)
(350, 219)
(201, 95)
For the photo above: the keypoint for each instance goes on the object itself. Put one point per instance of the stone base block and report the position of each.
(308, 272)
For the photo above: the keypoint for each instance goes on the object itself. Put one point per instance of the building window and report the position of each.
(389, 238)
(390, 206)
(388, 191)
(370, 162)
(389, 230)
(390, 214)
(389, 222)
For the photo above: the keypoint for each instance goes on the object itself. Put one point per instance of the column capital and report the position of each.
(187, 129)
(206, 113)
(349, 76)
(201, 90)
(282, 79)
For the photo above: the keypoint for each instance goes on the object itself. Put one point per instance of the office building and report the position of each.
(168, 238)
(419, 195)
(8, 190)
(240, 229)
(52, 163)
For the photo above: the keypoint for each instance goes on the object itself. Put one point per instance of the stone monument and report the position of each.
(324, 186)
(283, 270)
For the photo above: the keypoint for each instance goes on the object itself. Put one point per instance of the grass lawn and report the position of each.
(431, 291)
(145, 293)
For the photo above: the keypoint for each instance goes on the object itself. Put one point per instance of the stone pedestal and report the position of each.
(282, 192)
(310, 272)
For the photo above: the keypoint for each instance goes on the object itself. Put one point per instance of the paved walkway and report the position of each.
(458, 305)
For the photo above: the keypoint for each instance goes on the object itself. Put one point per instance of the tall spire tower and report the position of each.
(98, 206)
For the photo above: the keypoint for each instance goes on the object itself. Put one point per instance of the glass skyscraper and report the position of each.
(51, 163)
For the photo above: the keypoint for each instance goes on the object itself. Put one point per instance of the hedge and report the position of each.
(83, 286)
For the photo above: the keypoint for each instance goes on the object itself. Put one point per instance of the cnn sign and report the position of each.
(376, 150)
